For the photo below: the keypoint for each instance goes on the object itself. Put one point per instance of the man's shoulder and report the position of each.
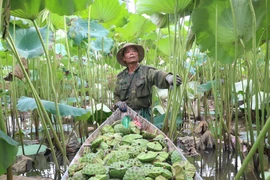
(122, 72)
(147, 67)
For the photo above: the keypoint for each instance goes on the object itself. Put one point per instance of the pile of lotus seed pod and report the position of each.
(130, 154)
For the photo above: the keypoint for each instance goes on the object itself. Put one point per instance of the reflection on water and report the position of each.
(43, 166)
(224, 169)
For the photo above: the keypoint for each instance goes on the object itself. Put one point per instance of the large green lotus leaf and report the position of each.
(103, 44)
(27, 41)
(27, 9)
(136, 27)
(8, 151)
(120, 20)
(165, 45)
(214, 19)
(67, 7)
(31, 149)
(57, 21)
(26, 103)
(161, 6)
(104, 10)
(78, 30)
(20, 22)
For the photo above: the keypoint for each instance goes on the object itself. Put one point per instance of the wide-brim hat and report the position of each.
(120, 53)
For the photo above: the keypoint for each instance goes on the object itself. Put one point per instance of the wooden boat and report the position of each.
(117, 115)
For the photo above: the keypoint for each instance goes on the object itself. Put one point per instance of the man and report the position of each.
(134, 83)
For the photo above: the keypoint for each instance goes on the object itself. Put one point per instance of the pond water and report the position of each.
(225, 170)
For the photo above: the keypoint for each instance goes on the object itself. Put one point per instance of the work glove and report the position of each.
(122, 106)
(169, 79)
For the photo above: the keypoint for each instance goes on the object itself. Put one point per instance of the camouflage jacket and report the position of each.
(136, 88)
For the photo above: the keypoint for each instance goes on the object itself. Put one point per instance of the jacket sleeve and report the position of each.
(117, 92)
(158, 78)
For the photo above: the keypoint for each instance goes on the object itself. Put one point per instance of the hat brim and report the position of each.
(120, 53)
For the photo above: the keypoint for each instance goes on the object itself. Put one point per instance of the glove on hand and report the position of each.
(169, 79)
(122, 106)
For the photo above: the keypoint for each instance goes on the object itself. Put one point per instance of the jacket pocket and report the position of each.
(141, 88)
(124, 91)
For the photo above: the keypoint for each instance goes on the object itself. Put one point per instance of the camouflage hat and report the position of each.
(120, 53)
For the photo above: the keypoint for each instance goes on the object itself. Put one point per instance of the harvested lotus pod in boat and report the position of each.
(134, 162)
(147, 156)
(164, 165)
(96, 143)
(183, 170)
(118, 169)
(148, 135)
(175, 157)
(160, 177)
(134, 173)
(162, 156)
(119, 128)
(154, 146)
(156, 171)
(74, 168)
(78, 176)
(107, 129)
(94, 169)
(99, 177)
(161, 139)
(112, 139)
(140, 142)
(134, 128)
(116, 156)
(128, 139)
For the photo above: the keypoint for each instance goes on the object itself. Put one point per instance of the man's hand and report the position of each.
(122, 106)
(169, 79)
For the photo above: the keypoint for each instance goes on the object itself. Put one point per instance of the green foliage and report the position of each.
(104, 10)
(78, 32)
(27, 9)
(214, 21)
(67, 7)
(159, 120)
(165, 6)
(136, 27)
(26, 103)
(33, 48)
(8, 149)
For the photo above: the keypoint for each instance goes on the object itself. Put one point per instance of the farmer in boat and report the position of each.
(134, 83)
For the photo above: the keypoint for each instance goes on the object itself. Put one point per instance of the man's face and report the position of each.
(131, 55)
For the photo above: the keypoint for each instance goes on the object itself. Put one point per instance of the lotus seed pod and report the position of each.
(99, 177)
(146, 157)
(107, 129)
(119, 128)
(118, 169)
(134, 173)
(94, 169)
(148, 135)
(175, 156)
(96, 142)
(154, 146)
